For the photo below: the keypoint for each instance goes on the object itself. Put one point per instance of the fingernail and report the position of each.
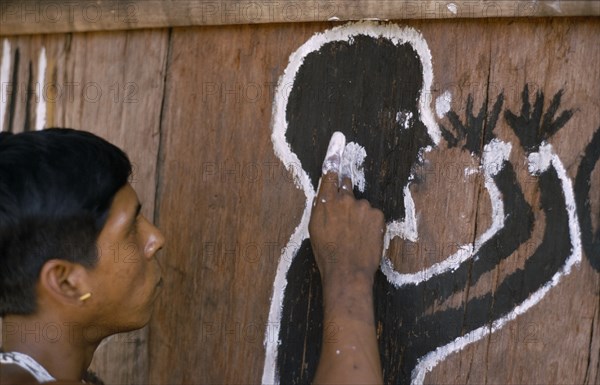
(333, 158)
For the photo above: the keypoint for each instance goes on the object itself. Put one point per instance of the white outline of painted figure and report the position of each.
(479, 257)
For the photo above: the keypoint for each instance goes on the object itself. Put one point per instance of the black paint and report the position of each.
(530, 127)
(476, 131)
(302, 320)
(590, 240)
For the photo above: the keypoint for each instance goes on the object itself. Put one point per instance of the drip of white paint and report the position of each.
(335, 150)
(495, 154)
(404, 119)
(352, 165)
(430, 360)
(333, 18)
(40, 112)
(442, 104)
(452, 8)
(4, 74)
(301, 179)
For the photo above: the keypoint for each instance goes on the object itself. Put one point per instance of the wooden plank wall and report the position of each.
(20, 17)
(193, 108)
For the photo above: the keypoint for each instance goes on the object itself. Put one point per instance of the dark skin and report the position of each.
(125, 283)
(356, 230)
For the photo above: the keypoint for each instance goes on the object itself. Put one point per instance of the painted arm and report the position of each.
(347, 238)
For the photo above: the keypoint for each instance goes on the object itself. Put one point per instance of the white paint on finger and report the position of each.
(335, 150)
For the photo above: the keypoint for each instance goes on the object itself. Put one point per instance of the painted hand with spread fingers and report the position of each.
(347, 237)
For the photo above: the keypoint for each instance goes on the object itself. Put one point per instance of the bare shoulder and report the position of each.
(11, 374)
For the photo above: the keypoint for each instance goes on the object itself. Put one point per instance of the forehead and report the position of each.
(123, 208)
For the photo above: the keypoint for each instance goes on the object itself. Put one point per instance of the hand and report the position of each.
(346, 234)
(347, 240)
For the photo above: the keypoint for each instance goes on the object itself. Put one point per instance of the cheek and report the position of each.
(127, 270)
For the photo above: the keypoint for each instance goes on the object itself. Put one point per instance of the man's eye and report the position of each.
(134, 227)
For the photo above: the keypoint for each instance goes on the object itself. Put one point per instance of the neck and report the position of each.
(65, 349)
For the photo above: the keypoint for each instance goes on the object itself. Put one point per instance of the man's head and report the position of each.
(67, 213)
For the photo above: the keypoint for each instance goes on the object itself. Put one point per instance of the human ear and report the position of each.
(65, 281)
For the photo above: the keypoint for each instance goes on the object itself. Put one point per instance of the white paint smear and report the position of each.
(283, 151)
(430, 360)
(495, 154)
(404, 119)
(452, 8)
(40, 111)
(541, 160)
(352, 165)
(4, 75)
(442, 104)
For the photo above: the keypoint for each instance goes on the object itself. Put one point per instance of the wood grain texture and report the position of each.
(208, 174)
(235, 203)
(40, 17)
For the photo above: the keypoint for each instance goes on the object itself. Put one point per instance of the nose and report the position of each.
(155, 240)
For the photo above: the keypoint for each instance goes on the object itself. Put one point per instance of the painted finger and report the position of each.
(346, 185)
(331, 167)
(346, 172)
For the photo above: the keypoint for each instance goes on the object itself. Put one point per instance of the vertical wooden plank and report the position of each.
(235, 203)
(118, 86)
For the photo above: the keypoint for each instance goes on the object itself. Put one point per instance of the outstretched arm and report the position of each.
(347, 239)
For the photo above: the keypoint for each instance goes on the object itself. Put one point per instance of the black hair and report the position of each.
(56, 188)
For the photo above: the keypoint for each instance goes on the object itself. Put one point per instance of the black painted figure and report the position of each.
(369, 90)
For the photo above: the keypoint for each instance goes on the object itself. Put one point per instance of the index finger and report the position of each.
(329, 184)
